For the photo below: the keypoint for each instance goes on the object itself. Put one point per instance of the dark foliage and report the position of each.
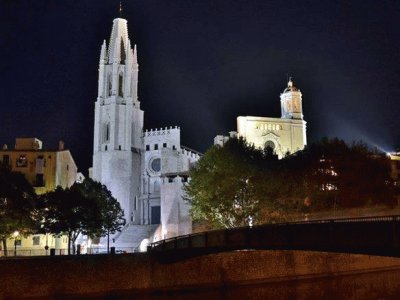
(17, 205)
(85, 208)
(236, 184)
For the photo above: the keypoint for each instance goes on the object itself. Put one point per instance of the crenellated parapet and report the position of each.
(190, 153)
(161, 131)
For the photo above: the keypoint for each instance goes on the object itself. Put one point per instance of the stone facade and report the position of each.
(118, 119)
(132, 162)
(284, 135)
(175, 218)
(44, 170)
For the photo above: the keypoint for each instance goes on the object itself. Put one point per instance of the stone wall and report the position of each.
(282, 274)
(175, 217)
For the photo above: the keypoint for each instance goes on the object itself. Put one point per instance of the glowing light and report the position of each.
(250, 221)
(143, 245)
(15, 233)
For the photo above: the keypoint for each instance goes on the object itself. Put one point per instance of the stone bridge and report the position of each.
(366, 235)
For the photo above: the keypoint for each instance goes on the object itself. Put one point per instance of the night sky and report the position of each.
(203, 63)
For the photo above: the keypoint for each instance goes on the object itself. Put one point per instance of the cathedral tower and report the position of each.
(118, 123)
(284, 135)
(291, 105)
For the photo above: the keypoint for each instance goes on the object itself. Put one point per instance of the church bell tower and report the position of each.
(291, 102)
(118, 123)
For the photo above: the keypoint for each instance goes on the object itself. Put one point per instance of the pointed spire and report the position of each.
(117, 51)
(119, 32)
(103, 57)
(134, 55)
(135, 59)
(120, 9)
(128, 52)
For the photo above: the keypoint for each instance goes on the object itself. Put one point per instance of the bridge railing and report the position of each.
(346, 220)
(375, 234)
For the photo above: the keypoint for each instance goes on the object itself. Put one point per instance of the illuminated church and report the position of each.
(284, 135)
(144, 169)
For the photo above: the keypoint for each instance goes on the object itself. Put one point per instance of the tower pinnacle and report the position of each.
(290, 82)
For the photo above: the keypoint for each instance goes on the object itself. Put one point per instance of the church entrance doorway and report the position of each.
(155, 215)
(269, 147)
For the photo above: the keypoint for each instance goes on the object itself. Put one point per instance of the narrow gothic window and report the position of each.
(107, 132)
(164, 145)
(120, 86)
(109, 85)
(147, 147)
(123, 56)
(156, 147)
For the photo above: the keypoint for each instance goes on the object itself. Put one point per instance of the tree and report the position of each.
(346, 175)
(65, 212)
(225, 187)
(236, 184)
(86, 208)
(17, 205)
(109, 214)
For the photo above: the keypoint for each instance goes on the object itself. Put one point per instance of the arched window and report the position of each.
(120, 85)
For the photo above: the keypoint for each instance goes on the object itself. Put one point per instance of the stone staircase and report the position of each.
(131, 236)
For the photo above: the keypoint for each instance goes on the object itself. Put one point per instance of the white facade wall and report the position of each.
(118, 121)
(66, 169)
(288, 135)
(175, 217)
(163, 154)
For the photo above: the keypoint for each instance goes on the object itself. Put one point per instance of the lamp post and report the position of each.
(15, 234)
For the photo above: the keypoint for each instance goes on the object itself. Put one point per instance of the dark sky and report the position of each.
(203, 63)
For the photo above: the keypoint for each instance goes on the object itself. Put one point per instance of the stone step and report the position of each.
(132, 235)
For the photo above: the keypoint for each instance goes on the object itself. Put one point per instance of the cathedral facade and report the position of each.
(284, 135)
(144, 169)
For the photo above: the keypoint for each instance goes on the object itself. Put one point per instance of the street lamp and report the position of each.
(15, 234)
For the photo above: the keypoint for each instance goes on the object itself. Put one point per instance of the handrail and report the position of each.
(388, 218)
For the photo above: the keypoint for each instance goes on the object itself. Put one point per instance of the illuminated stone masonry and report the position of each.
(144, 170)
(286, 134)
